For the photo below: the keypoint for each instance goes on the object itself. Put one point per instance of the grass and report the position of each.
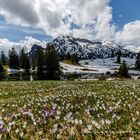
(5, 67)
(70, 110)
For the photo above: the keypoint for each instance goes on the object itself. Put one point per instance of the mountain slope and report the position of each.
(87, 49)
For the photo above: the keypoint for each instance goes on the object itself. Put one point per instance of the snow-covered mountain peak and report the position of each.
(87, 49)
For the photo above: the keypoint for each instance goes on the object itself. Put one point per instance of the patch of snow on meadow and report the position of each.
(99, 66)
(105, 65)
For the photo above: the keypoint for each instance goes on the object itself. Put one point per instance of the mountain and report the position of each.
(33, 53)
(87, 49)
(65, 45)
(133, 48)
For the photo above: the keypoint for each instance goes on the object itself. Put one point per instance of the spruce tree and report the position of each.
(119, 53)
(112, 54)
(1, 71)
(118, 59)
(1, 68)
(13, 59)
(22, 58)
(137, 64)
(74, 59)
(52, 63)
(123, 70)
(27, 64)
(3, 58)
(68, 57)
(33, 62)
(40, 64)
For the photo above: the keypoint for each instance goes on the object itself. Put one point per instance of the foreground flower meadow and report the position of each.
(70, 110)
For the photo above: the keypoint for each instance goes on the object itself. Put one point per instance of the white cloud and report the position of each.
(130, 35)
(27, 43)
(50, 15)
(94, 17)
(19, 12)
(5, 45)
(104, 28)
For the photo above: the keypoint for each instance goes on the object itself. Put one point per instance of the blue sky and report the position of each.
(125, 11)
(46, 21)
(16, 33)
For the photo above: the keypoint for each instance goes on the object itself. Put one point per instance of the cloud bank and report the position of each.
(58, 17)
(130, 35)
(27, 43)
(90, 19)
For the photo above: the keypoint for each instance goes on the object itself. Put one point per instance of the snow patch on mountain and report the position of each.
(87, 49)
(133, 49)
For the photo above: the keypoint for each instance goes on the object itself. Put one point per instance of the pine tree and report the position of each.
(123, 70)
(3, 58)
(112, 54)
(22, 58)
(52, 63)
(1, 68)
(68, 57)
(137, 64)
(119, 53)
(74, 59)
(27, 64)
(13, 59)
(118, 59)
(40, 64)
(1, 71)
(33, 62)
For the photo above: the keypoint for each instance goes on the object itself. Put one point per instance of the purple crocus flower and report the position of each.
(3, 130)
(46, 113)
(52, 112)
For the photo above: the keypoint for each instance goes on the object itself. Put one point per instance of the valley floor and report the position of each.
(70, 110)
(101, 66)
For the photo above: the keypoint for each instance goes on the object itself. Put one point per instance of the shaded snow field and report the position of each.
(99, 66)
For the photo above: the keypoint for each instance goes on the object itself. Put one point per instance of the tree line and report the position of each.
(123, 70)
(47, 63)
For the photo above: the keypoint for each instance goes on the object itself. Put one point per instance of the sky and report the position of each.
(110, 20)
(125, 11)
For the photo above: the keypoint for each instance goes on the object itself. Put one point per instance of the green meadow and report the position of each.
(73, 110)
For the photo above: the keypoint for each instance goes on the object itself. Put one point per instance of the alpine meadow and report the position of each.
(69, 70)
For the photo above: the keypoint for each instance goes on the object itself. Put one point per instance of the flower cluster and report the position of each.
(70, 110)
